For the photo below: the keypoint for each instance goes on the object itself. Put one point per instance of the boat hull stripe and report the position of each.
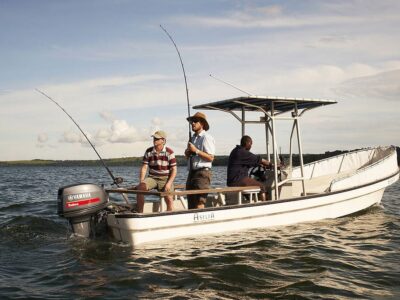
(82, 202)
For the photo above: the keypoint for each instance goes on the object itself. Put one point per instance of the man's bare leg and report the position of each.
(140, 197)
(263, 196)
(170, 203)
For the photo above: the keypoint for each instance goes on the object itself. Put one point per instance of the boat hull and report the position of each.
(138, 229)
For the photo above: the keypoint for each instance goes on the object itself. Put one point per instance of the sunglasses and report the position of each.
(156, 139)
(194, 120)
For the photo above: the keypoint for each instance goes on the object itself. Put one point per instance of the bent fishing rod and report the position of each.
(116, 180)
(184, 75)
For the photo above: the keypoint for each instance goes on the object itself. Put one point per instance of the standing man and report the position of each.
(161, 161)
(200, 153)
(239, 163)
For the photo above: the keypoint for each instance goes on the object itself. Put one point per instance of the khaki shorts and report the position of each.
(157, 183)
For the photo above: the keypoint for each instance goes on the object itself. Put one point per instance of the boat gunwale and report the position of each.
(271, 202)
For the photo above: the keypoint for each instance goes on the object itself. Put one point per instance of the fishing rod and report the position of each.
(184, 75)
(116, 180)
(235, 87)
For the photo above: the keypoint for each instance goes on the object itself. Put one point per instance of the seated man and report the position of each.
(240, 161)
(162, 163)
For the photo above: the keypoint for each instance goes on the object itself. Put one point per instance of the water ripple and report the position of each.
(352, 257)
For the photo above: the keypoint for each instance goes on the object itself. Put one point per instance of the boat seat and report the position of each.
(217, 199)
(252, 194)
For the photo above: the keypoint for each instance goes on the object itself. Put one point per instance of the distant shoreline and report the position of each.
(220, 160)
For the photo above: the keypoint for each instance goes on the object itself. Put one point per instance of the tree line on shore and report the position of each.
(220, 160)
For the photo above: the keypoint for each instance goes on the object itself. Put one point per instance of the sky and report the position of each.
(113, 69)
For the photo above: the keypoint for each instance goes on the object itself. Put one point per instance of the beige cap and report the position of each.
(200, 115)
(159, 134)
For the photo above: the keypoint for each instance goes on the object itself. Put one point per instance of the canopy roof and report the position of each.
(254, 103)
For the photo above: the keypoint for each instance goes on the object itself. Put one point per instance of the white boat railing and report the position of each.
(178, 194)
(382, 161)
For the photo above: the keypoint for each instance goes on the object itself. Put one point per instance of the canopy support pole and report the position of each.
(300, 148)
(274, 146)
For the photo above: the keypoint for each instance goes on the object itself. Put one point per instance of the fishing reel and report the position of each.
(118, 180)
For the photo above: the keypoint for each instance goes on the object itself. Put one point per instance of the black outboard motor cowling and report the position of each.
(80, 203)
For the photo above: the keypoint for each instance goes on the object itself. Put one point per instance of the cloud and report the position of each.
(240, 20)
(103, 134)
(42, 138)
(282, 17)
(334, 13)
(381, 86)
(107, 115)
(122, 132)
(85, 95)
(120, 49)
(71, 137)
(156, 121)
(344, 50)
(119, 131)
(102, 84)
(317, 81)
(42, 142)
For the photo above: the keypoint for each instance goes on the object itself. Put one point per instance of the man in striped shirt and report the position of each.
(161, 162)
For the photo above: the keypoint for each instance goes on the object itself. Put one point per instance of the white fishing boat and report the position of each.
(328, 188)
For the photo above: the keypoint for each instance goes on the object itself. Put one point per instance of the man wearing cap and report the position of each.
(200, 153)
(161, 162)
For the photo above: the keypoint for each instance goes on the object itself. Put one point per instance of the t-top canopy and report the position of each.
(255, 103)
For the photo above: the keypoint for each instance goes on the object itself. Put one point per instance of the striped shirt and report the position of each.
(159, 163)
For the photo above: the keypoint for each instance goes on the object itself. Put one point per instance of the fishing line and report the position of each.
(116, 180)
(235, 87)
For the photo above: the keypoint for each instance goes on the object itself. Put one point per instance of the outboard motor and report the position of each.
(80, 204)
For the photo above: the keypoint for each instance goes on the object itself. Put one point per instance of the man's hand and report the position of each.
(266, 163)
(168, 186)
(192, 148)
(187, 153)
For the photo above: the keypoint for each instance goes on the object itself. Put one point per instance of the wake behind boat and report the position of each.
(328, 188)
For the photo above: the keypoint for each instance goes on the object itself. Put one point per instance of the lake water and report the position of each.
(353, 257)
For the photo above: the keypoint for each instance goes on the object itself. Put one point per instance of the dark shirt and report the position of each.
(240, 161)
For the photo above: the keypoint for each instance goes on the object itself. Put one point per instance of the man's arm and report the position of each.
(208, 145)
(266, 163)
(171, 178)
(143, 172)
(202, 154)
(206, 156)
